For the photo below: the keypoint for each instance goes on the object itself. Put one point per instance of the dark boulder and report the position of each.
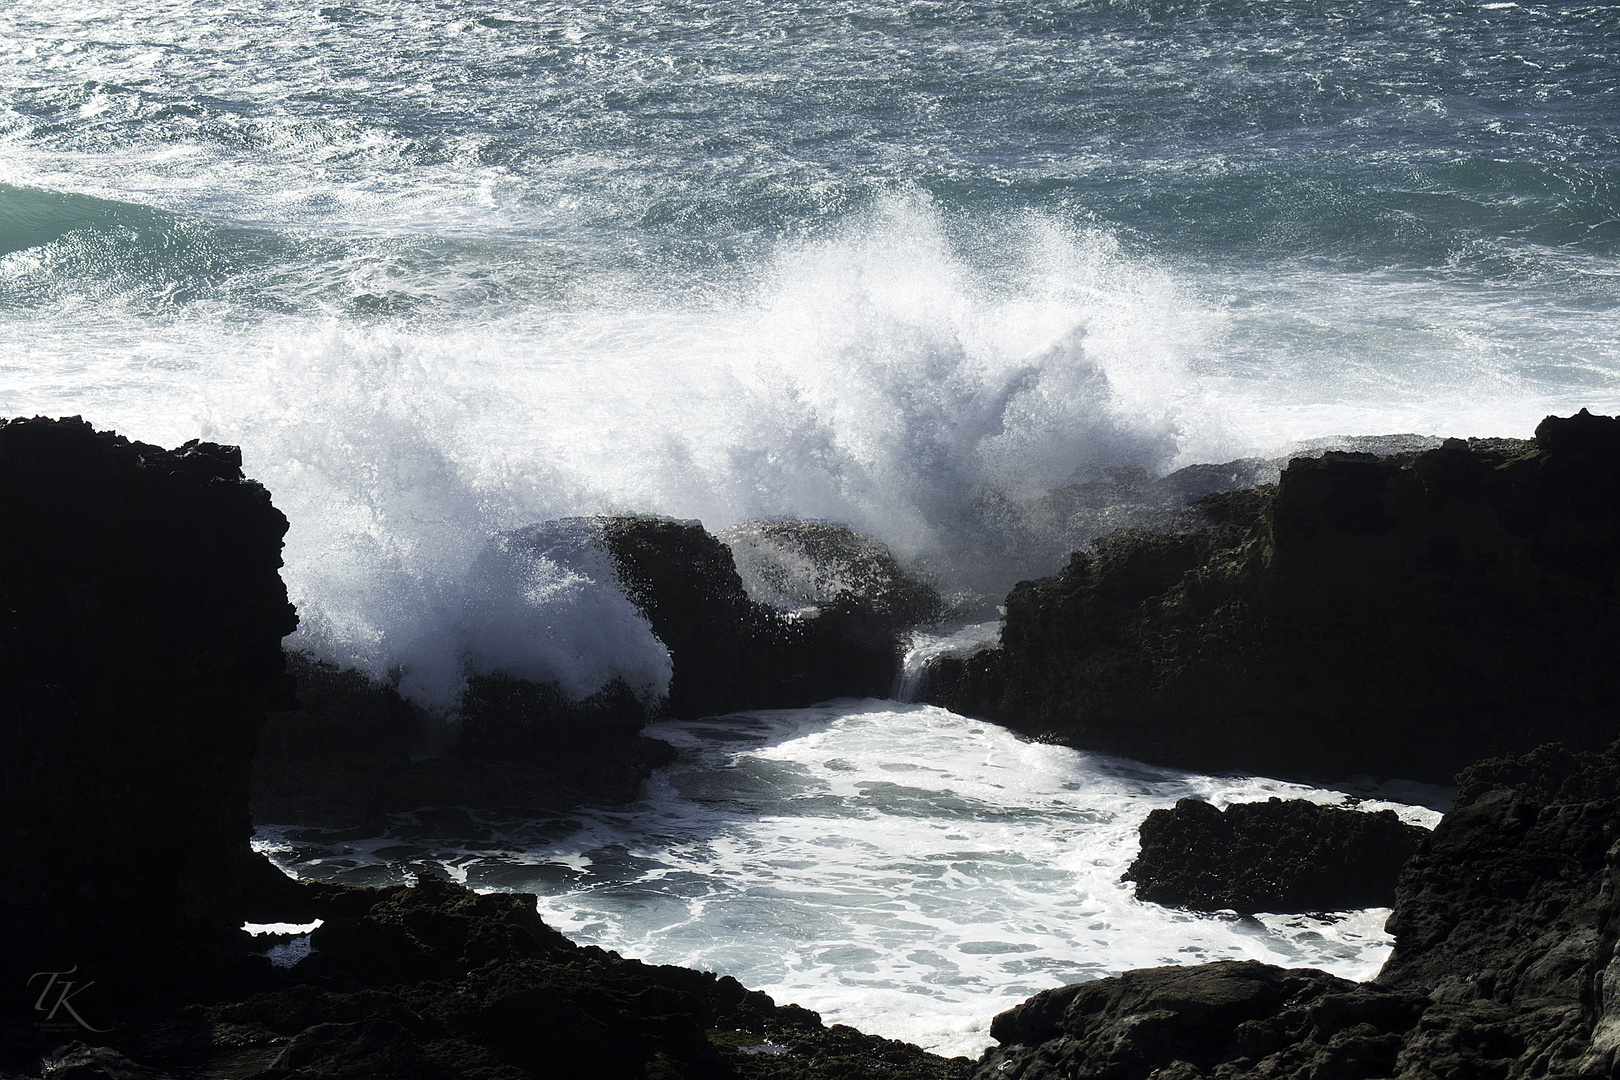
(355, 751)
(1401, 615)
(804, 566)
(1285, 856)
(730, 652)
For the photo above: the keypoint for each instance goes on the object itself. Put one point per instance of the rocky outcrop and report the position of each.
(141, 617)
(355, 750)
(804, 566)
(1400, 616)
(731, 652)
(434, 981)
(1504, 965)
(1284, 856)
(1226, 1019)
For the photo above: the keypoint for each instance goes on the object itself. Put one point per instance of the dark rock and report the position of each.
(1398, 616)
(140, 648)
(436, 981)
(730, 652)
(1272, 856)
(1504, 902)
(1228, 1018)
(1551, 773)
(359, 1051)
(799, 566)
(356, 750)
(141, 616)
(1504, 965)
(77, 1061)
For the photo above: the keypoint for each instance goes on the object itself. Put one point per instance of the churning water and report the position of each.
(897, 867)
(444, 268)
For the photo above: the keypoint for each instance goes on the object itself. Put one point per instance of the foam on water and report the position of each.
(896, 867)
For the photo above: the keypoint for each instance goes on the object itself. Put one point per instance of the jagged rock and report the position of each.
(1271, 856)
(1504, 965)
(1551, 773)
(140, 647)
(433, 980)
(356, 750)
(1230, 1018)
(76, 1061)
(1504, 901)
(141, 617)
(803, 566)
(1399, 616)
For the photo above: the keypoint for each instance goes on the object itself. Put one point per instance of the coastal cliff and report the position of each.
(1401, 615)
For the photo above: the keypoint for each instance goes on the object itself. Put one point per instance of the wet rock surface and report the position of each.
(1402, 615)
(1280, 855)
(1504, 962)
(356, 750)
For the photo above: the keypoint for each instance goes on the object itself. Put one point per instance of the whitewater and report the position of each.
(444, 269)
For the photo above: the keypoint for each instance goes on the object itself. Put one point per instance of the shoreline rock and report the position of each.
(140, 651)
(1281, 856)
(356, 750)
(1398, 616)
(1504, 965)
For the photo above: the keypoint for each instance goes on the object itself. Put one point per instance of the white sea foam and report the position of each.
(896, 867)
(873, 375)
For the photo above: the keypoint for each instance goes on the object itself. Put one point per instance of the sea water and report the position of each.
(445, 268)
(896, 867)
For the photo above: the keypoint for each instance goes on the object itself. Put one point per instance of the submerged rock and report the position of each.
(1400, 616)
(1283, 856)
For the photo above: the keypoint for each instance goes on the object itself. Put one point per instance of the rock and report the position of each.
(1505, 901)
(1403, 615)
(141, 617)
(77, 1061)
(356, 750)
(436, 981)
(139, 650)
(1230, 1018)
(1273, 856)
(730, 652)
(804, 566)
(1551, 773)
(358, 1051)
(1505, 928)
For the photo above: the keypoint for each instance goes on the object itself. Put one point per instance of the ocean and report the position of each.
(445, 268)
